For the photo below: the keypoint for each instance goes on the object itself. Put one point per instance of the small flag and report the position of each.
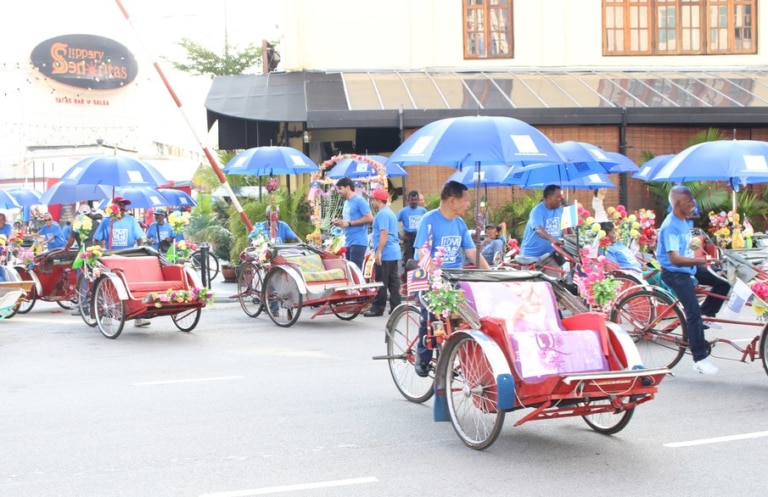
(417, 280)
(570, 217)
(739, 297)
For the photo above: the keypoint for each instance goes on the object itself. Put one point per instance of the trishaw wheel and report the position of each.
(85, 300)
(282, 298)
(27, 305)
(67, 305)
(344, 315)
(249, 290)
(186, 320)
(657, 325)
(608, 422)
(626, 281)
(471, 392)
(763, 346)
(108, 308)
(213, 263)
(402, 336)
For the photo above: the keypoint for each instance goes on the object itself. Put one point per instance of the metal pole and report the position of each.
(623, 183)
(204, 249)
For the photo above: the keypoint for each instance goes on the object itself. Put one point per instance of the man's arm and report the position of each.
(543, 233)
(471, 255)
(680, 260)
(383, 235)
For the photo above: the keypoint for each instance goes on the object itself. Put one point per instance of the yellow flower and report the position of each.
(632, 218)
(635, 225)
(634, 233)
(596, 228)
(589, 220)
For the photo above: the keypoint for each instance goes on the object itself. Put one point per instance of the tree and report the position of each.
(203, 61)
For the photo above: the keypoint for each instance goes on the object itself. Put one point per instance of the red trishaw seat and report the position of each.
(145, 274)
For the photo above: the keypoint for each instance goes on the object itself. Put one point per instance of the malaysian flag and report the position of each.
(418, 279)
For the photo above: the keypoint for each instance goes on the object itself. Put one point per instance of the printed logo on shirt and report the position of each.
(452, 246)
(552, 226)
(413, 222)
(119, 237)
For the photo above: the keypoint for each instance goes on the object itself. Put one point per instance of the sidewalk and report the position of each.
(222, 291)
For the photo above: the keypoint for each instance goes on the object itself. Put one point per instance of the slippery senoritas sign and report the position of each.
(85, 61)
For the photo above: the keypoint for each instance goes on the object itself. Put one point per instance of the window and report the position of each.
(488, 29)
(679, 27)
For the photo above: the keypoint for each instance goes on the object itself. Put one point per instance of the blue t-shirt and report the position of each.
(674, 234)
(452, 235)
(125, 232)
(621, 255)
(166, 231)
(284, 232)
(53, 235)
(497, 245)
(410, 218)
(533, 245)
(385, 220)
(6, 230)
(355, 208)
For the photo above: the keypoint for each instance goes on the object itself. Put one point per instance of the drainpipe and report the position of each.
(623, 182)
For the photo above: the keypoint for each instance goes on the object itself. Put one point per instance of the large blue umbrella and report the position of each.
(270, 161)
(141, 197)
(578, 152)
(649, 168)
(113, 170)
(486, 176)
(352, 167)
(68, 192)
(550, 174)
(624, 163)
(7, 201)
(25, 197)
(177, 198)
(589, 182)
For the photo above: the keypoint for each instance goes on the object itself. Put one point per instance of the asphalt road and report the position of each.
(240, 407)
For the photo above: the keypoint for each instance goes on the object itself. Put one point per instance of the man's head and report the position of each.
(268, 212)
(160, 216)
(681, 200)
(345, 187)
(453, 200)
(610, 231)
(553, 195)
(422, 202)
(48, 219)
(413, 199)
(122, 204)
(379, 198)
(2, 219)
(491, 231)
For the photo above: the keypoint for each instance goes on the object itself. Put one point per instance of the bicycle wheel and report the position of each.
(108, 308)
(67, 305)
(249, 289)
(472, 392)
(281, 297)
(608, 422)
(626, 281)
(763, 346)
(657, 325)
(341, 310)
(186, 320)
(27, 305)
(85, 300)
(213, 263)
(402, 336)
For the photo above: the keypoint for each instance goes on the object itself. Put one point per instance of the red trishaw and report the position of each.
(53, 280)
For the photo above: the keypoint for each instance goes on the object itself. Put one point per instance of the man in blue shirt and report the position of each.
(122, 230)
(443, 227)
(543, 227)
(387, 254)
(410, 216)
(283, 231)
(492, 244)
(160, 234)
(355, 218)
(678, 268)
(51, 233)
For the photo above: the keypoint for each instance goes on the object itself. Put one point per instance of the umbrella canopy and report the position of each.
(739, 162)
(486, 176)
(68, 192)
(550, 174)
(25, 197)
(589, 182)
(141, 197)
(623, 163)
(652, 166)
(357, 168)
(177, 198)
(7, 201)
(113, 170)
(270, 161)
(581, 152)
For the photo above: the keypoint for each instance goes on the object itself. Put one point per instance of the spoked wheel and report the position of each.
(656, 323)
(186, 320)
(626, 281)
(472, 392)
(109, 310)
(27, 305)
(249, 289)
(609, 422)
(402, 336)
(763, 346)
(85, 300)
(67, 305)
(213, 263)
(281, 297)
(344, 310)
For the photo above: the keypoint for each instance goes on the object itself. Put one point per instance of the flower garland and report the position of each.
(595, 286)
(760, 289)
(172, 296)
(442, 298)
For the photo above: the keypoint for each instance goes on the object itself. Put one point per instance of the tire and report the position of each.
(186, 321)
(85, 300)
(250, 284)
(401, 337)
(656, 323)
(471, 392)
(626, 281)
(108, 308)
(764, 348)
(338, 309)
(610, 422)
(213, 264)
(281, 298)
(67, 305)
(27, 305)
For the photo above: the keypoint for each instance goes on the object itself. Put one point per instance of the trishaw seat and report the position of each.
(145, 274)
(314, 270)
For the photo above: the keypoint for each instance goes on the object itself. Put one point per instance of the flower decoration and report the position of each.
(595, 286)
(721, 225)
(91, 255)
(646, 218)
(111, 210)
(760, 304)
(178, 221)
(442, 298)
(590, 231)
(628, 229)
(82, 225)
(171, 296)
(184, 249)
(272, 184)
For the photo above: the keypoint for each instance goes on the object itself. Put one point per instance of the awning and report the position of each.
(415, 98)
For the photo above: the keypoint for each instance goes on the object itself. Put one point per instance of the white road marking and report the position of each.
(293, 488)
(189, 380)
(705, 441)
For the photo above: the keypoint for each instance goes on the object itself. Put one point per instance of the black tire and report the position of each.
(656, 323)
(108, 308)
(27, 305)
(67, 305)
(764, 348)
(85, 300)
(609, 422)
(187, 320)
(471, 391)
(281, 299)
(213, 264)
(250, 285)
(338, 309)
(402, 335)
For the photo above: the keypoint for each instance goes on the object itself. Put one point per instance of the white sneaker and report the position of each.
(139, 323)
(704, 366)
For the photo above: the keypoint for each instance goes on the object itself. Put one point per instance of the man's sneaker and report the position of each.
(139, 323)
(704, 366)
(711, 324)
(422, 369)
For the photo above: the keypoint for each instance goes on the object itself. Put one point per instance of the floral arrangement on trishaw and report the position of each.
(597, 287)
(442, 299)
(171, 296)
(760, 303)
(179, 221)
(184, 248)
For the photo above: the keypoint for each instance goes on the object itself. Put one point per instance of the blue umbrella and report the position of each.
(589, 182)
(550, 174)
(578, 152)
(113, 170)
(650, 167)
(486, 176)
(358, 168)
(177, 198)
(68, 193)
(270, 161)
(141, 197)
(624, 163)
(7, 201)
(25, 197)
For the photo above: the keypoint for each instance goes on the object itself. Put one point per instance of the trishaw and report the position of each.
(301, 275)
(509, 349)
(53, 280)
(13, 291)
